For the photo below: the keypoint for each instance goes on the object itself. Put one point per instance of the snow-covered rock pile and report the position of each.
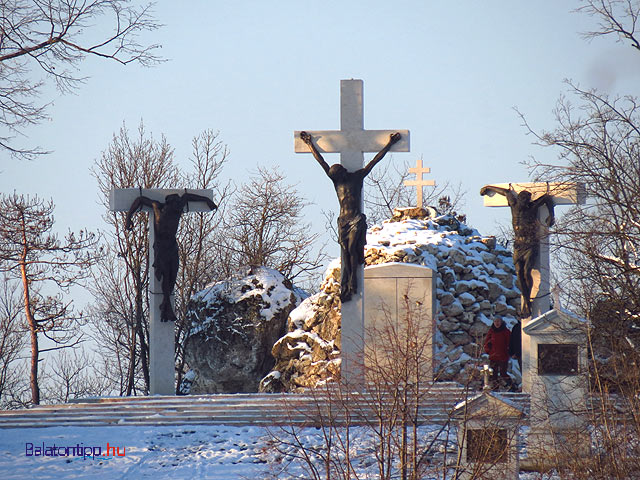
(310, 352)
(234, 326)
(475, 282)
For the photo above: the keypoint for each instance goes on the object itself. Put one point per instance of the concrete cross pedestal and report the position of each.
(161, 334)
(561, 194)
(419, 182)
(352, 141)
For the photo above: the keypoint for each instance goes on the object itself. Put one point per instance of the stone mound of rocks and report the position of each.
(475, 282)
(234, 325)
(310, 351)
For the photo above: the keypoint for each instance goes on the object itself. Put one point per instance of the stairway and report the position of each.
(239, 409)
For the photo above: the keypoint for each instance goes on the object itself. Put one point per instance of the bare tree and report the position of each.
(121, 283)
(384, 429)
(73, 375)
(613, 409)
(398, 371)
(601, 240)
(201, 261)
(598, 140)
(32, 253)
(122, 340)
(43, 40)
(12, 342)
(598, 247)
(121, 280)
(264, 226)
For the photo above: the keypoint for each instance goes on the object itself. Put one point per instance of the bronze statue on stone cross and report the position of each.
(352, 223)
(526, 246)
(166, 218)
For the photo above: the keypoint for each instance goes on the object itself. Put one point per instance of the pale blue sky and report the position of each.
(449, 71)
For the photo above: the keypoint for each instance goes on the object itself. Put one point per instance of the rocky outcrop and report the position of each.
(309, 353)
(234, 327)
(475, 282)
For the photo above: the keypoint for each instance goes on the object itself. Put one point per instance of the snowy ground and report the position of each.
(149, 452)
(209, 452)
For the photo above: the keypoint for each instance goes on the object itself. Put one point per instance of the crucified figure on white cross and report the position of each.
(352, 223)
(524, 217)
(166, 218)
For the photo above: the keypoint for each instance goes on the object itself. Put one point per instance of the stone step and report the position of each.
(221, 409)
(214, 415)
(186, 420)
(236, 409)
(177, 402)
(244, 418)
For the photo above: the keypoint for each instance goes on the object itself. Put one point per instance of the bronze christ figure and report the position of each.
(166, 218)
(352, 223)
(526, 246)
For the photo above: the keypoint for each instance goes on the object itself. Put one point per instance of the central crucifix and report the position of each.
(351, 141)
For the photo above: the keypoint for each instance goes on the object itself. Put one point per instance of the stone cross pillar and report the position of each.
(352, 141)
(161, 334)
(561, 194)
(419, 182)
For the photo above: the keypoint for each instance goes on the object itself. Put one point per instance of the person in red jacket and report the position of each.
(496, 344)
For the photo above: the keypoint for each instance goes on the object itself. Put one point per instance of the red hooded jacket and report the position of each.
(496, 343)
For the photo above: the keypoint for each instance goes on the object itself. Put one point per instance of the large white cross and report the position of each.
(161, 334)
(352, 141)
(561, 194)
(419, 182)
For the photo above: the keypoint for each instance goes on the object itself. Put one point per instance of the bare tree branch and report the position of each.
(44, 40)
(615, 17)
(264, 227)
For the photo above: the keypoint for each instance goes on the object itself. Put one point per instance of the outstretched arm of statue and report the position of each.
(499, 190)
(393, 138)
(193, 197)
(507, 192)
(306, 138)
(548, 201)
(137, 204)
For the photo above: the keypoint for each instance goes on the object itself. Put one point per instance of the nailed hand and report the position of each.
(305, 137)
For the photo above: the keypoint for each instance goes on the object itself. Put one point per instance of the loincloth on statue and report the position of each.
(354, 227)
(166, 254)
(524, 250)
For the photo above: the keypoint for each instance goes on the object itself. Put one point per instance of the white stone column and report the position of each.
(540, 296)
(161, 334)
(352, 311)
(352, 337)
